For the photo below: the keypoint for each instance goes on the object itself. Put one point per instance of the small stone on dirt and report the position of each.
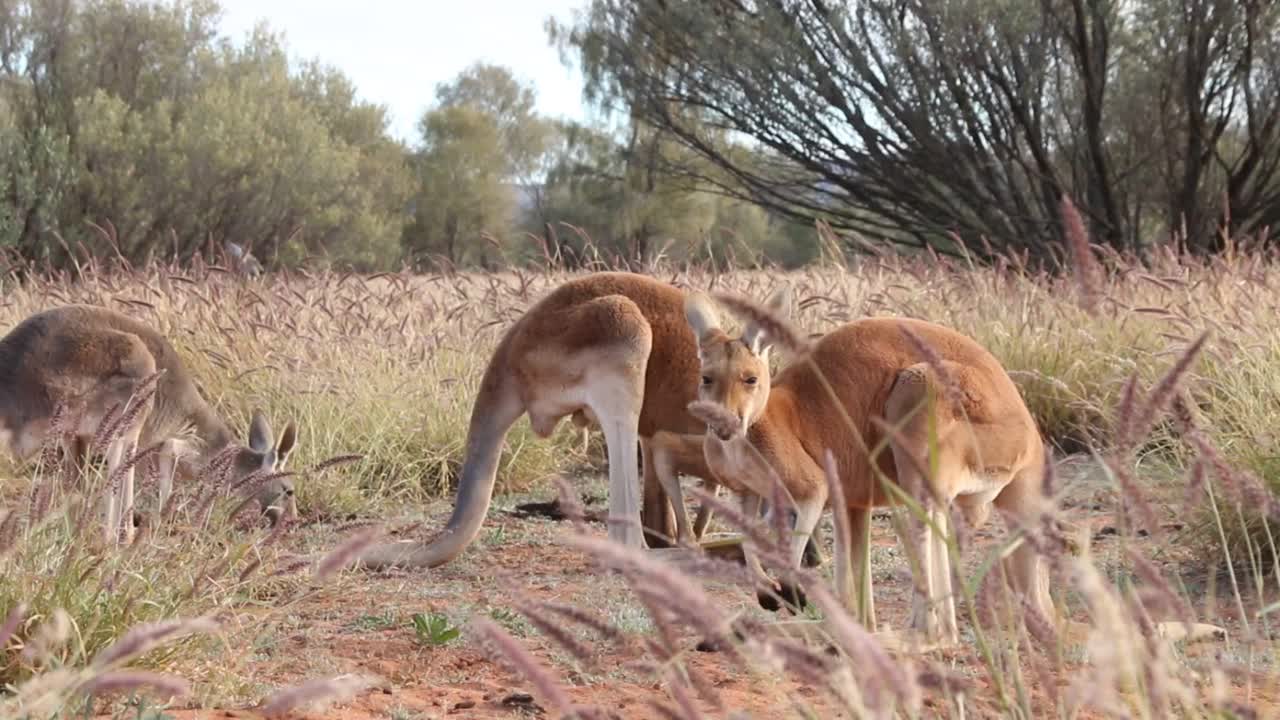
(523, 701)
(464, 705)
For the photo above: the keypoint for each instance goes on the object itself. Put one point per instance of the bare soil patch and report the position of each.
(363, 623)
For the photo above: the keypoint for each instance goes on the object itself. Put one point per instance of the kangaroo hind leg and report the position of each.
(926, 468)
(614, 359)
(133, 363)
(853, 568)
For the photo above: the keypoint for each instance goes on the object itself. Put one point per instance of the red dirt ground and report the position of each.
(325, 637)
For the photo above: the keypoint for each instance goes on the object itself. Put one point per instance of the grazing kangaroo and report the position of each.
(988, 448)
(92, 359)
(611, 349)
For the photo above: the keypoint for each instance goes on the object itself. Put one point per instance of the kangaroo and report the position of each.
(610, 349)
(988, 447)
(673, 455)
(91, 359)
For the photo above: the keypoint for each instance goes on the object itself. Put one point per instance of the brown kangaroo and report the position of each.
(610, 349)
(988, 448)
(91, 359)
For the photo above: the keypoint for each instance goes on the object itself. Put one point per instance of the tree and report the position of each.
(907, 120)
(483, 149)
(618, 193)
(614, 192)
(462, 190)
(134, 115)
(511, 105)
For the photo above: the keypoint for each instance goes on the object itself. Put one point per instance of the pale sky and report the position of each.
(396, 51)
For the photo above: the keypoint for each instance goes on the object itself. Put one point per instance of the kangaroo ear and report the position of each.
(288, 441)
(779, 303)
(259, 433)
(701, 315)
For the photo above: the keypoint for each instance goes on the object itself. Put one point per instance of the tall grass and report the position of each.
(384, 366)
(382, 370)
(82, 610)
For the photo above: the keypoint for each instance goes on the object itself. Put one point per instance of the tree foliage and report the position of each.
(921, 121)
(482, 155)
(131, 129)
(613, 199)
(464, 202)
(136, 117)
(493, 90)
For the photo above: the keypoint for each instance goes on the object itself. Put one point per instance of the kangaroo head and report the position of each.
(735, 370)
(264, 454)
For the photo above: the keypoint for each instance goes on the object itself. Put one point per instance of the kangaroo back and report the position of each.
(60, 355)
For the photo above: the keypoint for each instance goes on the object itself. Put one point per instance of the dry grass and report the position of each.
(385, 367)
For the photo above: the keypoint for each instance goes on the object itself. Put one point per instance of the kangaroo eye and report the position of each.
(751, 380)
(706, 380)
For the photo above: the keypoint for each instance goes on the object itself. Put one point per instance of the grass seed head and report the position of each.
(317, 692)
(775, 327)
(346, 553)
(130, 681)
(718, 419)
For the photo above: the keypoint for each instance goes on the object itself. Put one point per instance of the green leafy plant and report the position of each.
(434, 629)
